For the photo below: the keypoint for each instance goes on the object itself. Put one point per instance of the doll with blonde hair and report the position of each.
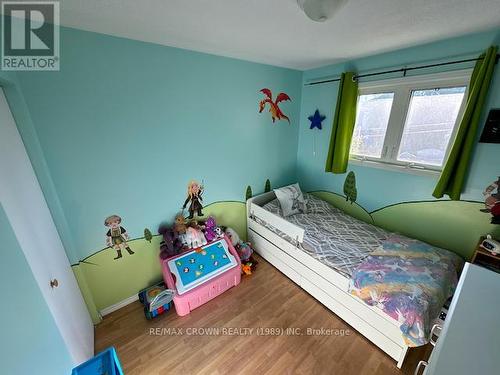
(194, 192)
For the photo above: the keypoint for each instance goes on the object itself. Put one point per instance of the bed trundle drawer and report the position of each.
(360, 316)
(279, 259)
(371, 333)
(373, 315)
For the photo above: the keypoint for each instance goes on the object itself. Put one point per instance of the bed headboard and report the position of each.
(254, 209)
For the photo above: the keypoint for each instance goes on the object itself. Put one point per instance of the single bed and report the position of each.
(322, 251)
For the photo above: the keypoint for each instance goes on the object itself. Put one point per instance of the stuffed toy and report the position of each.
(249, 266)
(247, 269)
(233, 236)
(245, 251)
(210, 227)
(219, 232)
(171, 244)
(180, 228)
(180, 224)
(194, 236)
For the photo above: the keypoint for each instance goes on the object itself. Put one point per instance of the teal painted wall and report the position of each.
(125, 125)
(378, 188)
(31, 343)
(22, 117)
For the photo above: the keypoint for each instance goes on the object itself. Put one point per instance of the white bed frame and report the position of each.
(322, 282)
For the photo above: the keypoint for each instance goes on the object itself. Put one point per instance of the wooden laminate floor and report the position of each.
(266, 299)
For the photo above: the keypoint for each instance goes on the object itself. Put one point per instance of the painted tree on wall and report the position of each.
(148, 236)
(350, 190)
(267, 188)
(248, 193)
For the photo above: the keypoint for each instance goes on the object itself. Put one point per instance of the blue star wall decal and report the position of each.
(316, 120)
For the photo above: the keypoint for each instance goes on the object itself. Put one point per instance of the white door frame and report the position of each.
(32, 223)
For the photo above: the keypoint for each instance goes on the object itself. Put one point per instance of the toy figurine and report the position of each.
(210, 227)
(116, 236)
(194, 192)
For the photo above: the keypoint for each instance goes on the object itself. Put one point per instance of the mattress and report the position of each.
(334, 238)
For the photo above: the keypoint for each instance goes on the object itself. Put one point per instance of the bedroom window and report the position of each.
(409, 123)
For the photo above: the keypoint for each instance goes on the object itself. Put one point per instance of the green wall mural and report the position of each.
(451, 225)
(105, 282)
(340, 202)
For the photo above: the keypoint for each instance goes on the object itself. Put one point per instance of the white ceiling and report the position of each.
(277, 32)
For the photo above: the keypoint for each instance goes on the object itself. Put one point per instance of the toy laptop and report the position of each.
(202, 274)
(156, 300)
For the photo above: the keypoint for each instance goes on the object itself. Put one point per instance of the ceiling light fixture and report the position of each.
(320, 10)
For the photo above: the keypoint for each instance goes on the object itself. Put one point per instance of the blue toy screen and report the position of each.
(197, 264)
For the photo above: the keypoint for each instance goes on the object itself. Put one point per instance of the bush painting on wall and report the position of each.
(350, 190)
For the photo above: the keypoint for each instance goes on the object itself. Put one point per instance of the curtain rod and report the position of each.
(401, 70)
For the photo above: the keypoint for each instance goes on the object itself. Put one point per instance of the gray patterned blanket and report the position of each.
(331, 236)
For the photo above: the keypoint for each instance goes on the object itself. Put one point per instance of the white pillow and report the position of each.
(291, 200)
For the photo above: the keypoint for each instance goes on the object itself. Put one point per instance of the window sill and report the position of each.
(396, 167)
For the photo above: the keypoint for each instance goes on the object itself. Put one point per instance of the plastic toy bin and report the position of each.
(211, 285)
(106, 362)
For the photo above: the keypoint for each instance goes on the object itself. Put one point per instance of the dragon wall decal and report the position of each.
(274, 109)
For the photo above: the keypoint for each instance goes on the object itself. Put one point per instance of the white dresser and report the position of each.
(469, 343)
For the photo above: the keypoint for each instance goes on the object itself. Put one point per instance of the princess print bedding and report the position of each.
(410, 281)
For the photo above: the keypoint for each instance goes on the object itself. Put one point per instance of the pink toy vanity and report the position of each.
(200, 275)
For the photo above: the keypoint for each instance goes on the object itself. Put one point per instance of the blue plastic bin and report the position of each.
(104, 363)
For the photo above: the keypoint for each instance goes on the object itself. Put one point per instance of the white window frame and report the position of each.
(402, 88)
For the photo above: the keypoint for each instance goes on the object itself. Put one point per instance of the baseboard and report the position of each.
(127, 301)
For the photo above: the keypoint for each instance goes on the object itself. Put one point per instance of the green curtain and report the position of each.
(453, 175)
(343, 125)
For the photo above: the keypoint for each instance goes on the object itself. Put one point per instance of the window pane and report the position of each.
(431, 118)
(372, 119)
